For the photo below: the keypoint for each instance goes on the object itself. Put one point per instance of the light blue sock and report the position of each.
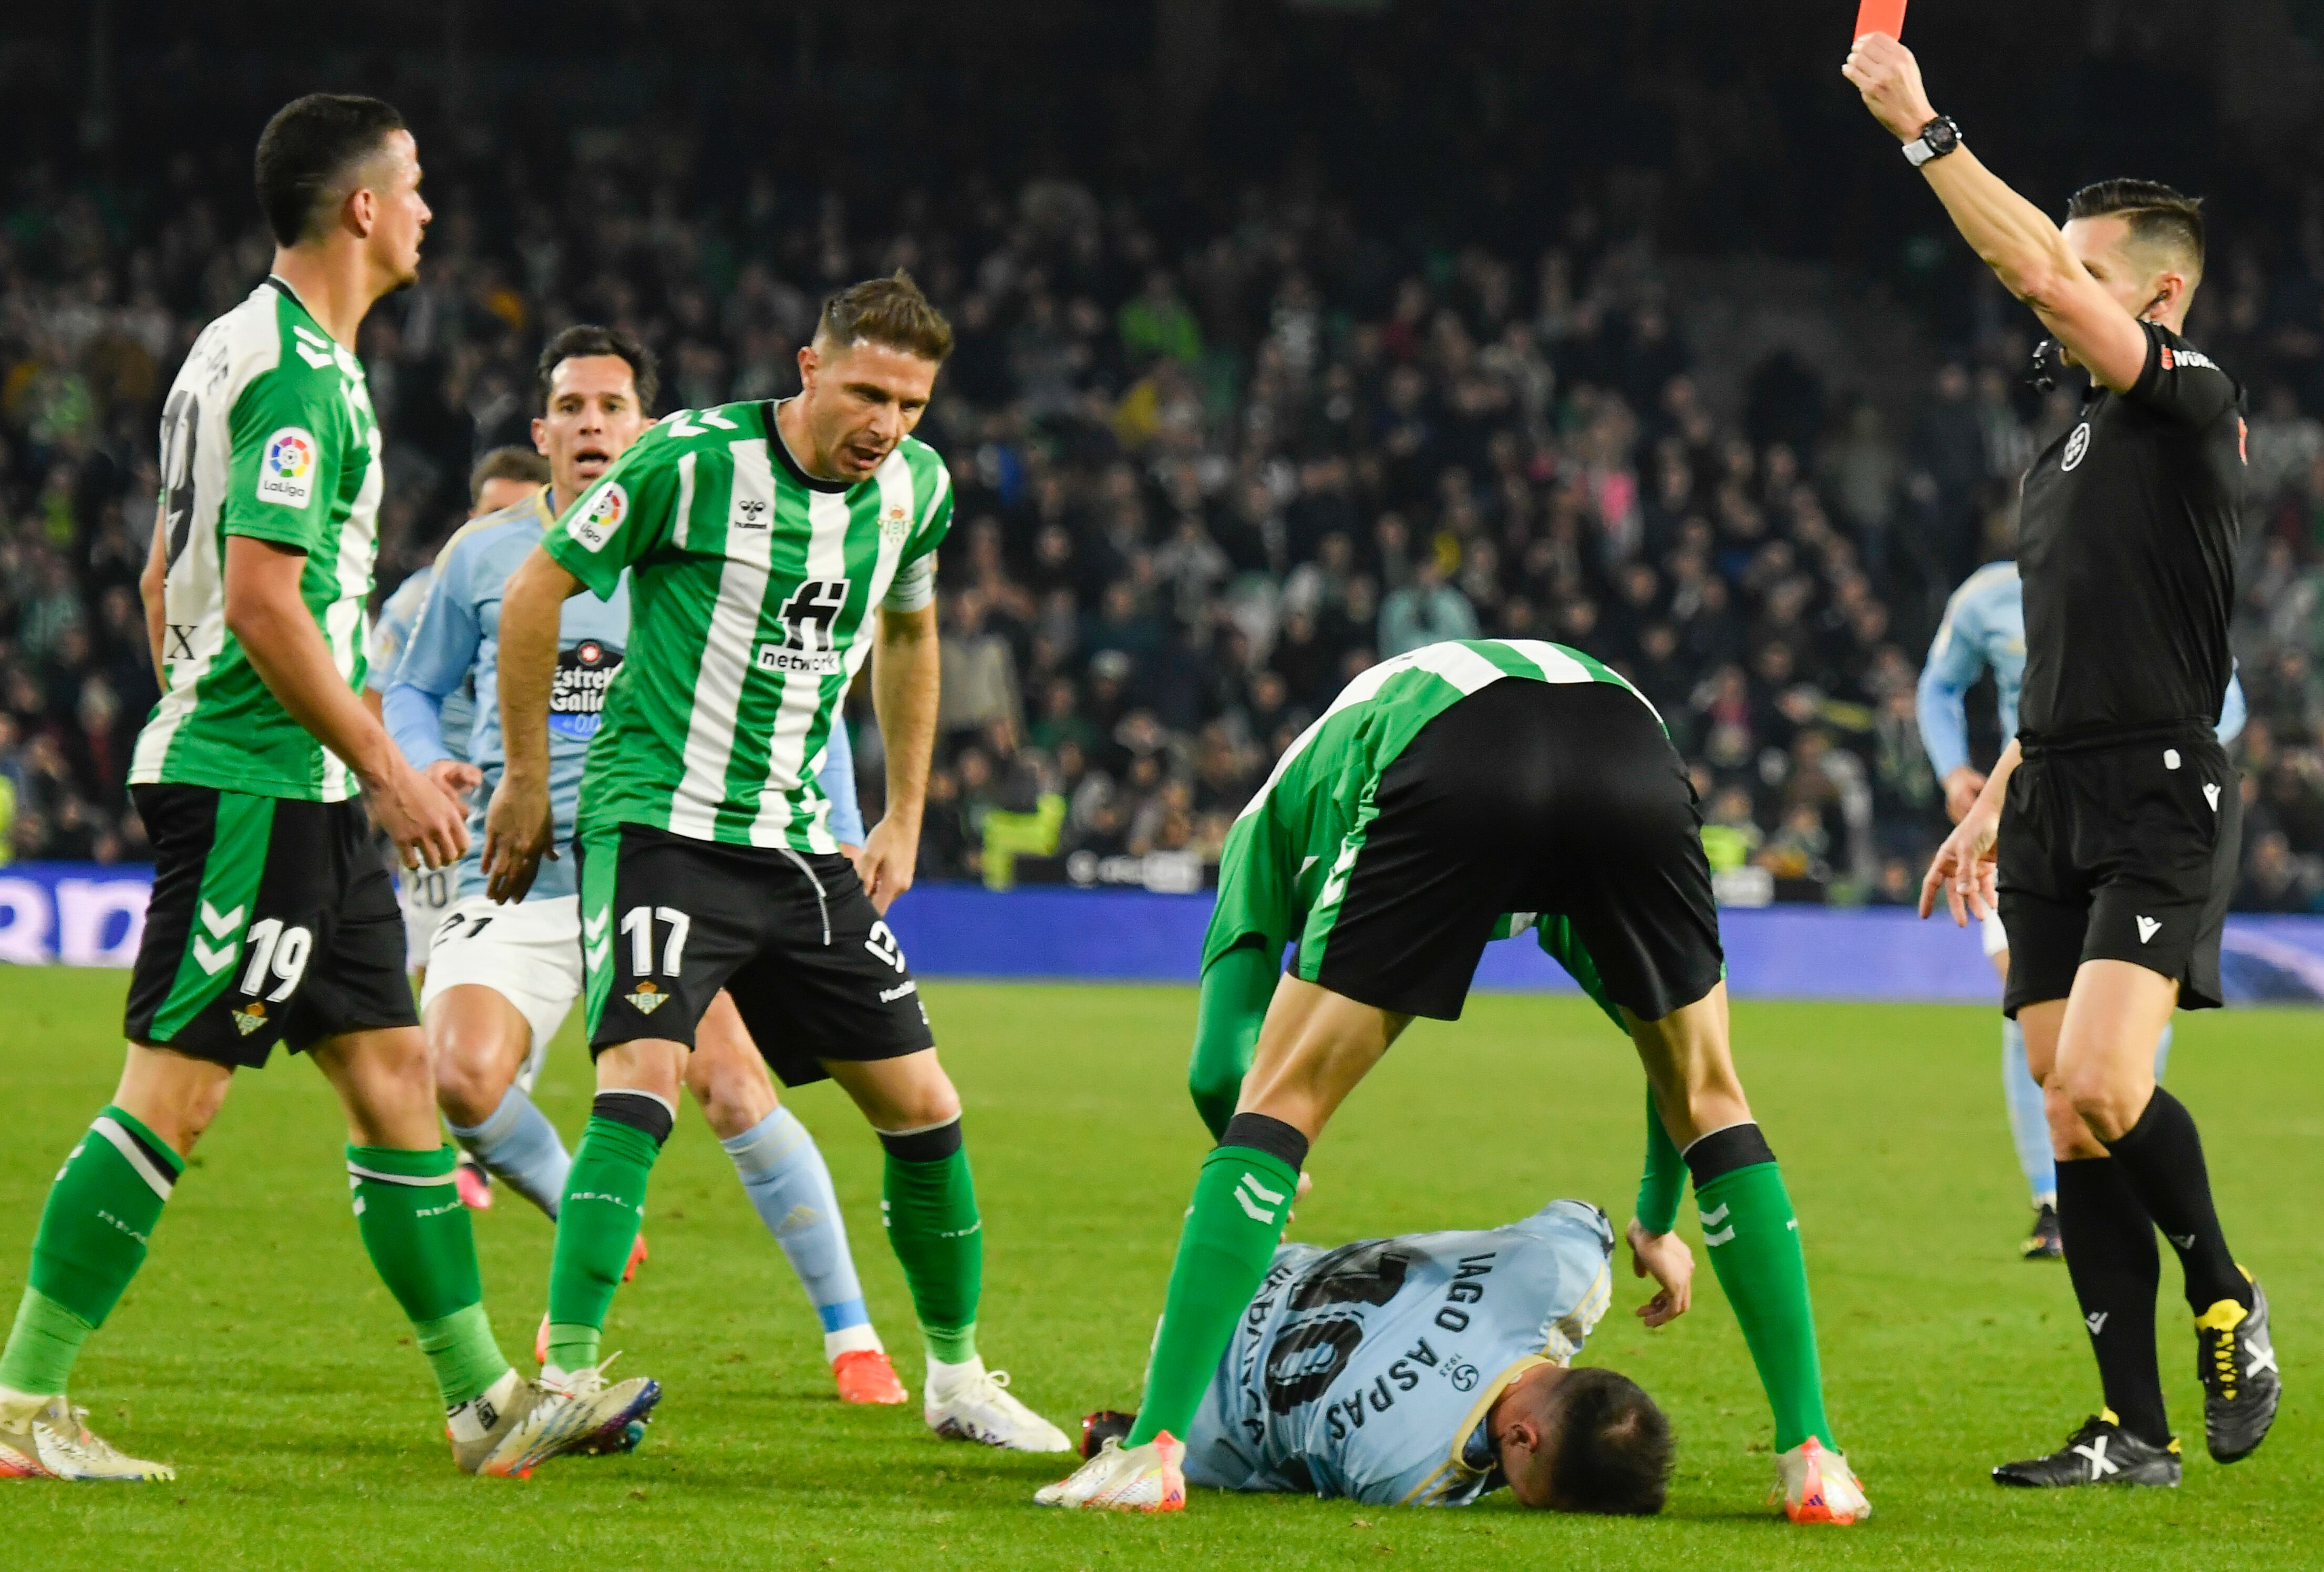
(2029, 1127)
(783, 1172)
(517, 1144)
(2162, 1054)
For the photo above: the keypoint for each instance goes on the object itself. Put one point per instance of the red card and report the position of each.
(1880, 16)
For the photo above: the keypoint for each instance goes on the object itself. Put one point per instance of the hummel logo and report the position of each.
(2147, 928)
(2186, 1243)
(889, 995)
(1711, 1219)
(2100, 1464)
(2096, 1320)
(2211, 795)
(1258, 1214)
(751, 512)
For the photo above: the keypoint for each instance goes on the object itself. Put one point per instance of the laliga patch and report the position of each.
(647, 999)
(286, 468)
(596, 524)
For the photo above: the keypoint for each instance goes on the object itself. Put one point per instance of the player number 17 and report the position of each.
(639, 925)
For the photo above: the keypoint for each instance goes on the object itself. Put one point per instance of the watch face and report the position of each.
(1943, 137)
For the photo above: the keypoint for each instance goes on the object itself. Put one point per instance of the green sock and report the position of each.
(596, 1224)
(1754, 1241)
(928, 1202)
(1230, 1233)
(100, 1213)
(418, 1235)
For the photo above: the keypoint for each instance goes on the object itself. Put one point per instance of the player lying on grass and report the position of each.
(1430, 1368)
(770, 547)
(1983, 630)
(1441, 791)
(502, 977)
(271, 919)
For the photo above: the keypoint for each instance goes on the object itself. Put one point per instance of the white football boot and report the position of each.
(967, 1403)
(579, 1413)
(1148, 1478)
(1819, 1487)
(53, 1441)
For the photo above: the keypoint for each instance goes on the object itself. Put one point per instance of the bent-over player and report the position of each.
(761, 541)
(502, 977)
(271, 918)
(1441, 791)
(1430, 1370)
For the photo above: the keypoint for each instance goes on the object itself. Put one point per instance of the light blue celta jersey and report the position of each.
(456, 645)
(1367, 1371)
(1985, 630)
(391, 635)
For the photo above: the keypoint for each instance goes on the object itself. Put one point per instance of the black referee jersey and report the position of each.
(2126, 546)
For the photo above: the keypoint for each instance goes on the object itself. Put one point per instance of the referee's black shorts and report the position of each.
(1540, 797)
(2121, 853)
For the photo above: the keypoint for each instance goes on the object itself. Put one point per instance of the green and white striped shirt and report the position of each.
(751, 586)
(268, 432)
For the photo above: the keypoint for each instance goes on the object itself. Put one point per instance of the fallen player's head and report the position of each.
(1583, 1440)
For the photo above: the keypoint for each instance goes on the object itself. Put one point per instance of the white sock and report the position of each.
(851, 1339)
(470, 1420)
(21, 1405)
(945, 1380)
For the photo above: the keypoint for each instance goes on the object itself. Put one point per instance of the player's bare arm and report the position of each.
(153, 593)
(2033, 259)
(518, 823)
(265, 613)
(1665, 1258)
(1964, 867)
(904, 680)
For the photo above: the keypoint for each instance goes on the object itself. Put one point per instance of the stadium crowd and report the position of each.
(1202, 478)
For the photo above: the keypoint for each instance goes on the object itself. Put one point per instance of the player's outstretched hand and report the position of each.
(1963, 867)
(427, 826)
(454, 778)
(1665, 1258)
(891, 853)
(1889, 78)
(518, 827)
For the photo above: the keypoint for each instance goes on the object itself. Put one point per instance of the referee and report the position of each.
(2115, 811)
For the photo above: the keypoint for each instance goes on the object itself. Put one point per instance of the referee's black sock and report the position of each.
(2110, 1255)
(2163, 1157)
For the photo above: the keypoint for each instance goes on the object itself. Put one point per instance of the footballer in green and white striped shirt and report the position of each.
(772, 548)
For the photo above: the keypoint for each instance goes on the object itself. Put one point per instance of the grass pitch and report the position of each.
(258, 1352)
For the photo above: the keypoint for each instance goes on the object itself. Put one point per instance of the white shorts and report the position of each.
(426, 896)
(528, 954)
(1996, 938)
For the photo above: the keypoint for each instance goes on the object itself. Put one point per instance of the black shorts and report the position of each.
(1529, 797)
(272, 920)
(2126, 853)
(667, 922)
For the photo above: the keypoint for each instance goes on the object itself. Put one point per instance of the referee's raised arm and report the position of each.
(2095, 315)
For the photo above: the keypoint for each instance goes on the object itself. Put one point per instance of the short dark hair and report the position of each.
(507, 464)
(586, 338)
(2158, 215)
(889, 311)
(1613, 1452)
(308, 148)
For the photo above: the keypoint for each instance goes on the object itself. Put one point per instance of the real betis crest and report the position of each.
(894, 525)
(248, 1018)
(648, 998)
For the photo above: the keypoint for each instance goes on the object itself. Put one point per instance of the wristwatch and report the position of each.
(1937, 137)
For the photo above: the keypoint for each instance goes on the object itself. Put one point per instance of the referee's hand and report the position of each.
(1963, 867)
